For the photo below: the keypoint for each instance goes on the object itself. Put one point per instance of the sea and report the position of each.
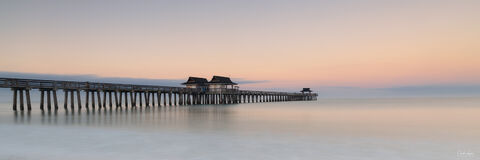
(413, 128)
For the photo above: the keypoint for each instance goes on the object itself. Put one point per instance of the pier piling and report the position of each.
(55, 100)
(86, 99)
(42, 95)
(14, 99)
(116, 99)
(49, 103)
(21, 99)
(110, 104)
(99, 99)
(79, 99)
(72, 100)
(29, 103)
(65, 102)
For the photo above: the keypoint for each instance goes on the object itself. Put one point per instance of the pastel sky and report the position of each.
(295, 43)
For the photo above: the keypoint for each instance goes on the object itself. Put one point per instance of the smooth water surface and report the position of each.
(331, 129)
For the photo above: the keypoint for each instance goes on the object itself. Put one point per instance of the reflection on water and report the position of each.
(124, 117)
(421, 128)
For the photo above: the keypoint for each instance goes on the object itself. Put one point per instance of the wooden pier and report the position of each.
(97, 95)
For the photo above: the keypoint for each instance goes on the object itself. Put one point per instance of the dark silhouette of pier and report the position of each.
(127, 95)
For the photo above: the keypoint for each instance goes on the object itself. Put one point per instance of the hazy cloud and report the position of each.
(243, 81)
(404, 91)
(95, 78)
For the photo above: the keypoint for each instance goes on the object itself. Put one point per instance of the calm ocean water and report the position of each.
(332, 129)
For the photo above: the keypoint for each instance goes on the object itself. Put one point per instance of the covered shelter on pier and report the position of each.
(220, 82)
(306, 90)
(196, 82)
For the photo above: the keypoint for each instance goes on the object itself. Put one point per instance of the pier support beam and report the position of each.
(87, 94)
(132, 99)
(209, 99)
(49, 103)
(164, 99)
(42, 97)
(72, 100)
(120, 99)
(170, 98)
(65, 101)
(104, 99)
(116, 99)
(14, 99)
(110, 104)
(213, 98)
(126, 100)
(180, 98)
(140, 98)
(135, 98)
(21, 99)
(159, 98)
(175, 99)
(93, 99)
(153, 98)
(79, 99)
(147, 102)
(29, 103)
(194, 99)
(99, 99)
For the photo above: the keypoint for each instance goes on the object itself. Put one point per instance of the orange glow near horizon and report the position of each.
(370, 45)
